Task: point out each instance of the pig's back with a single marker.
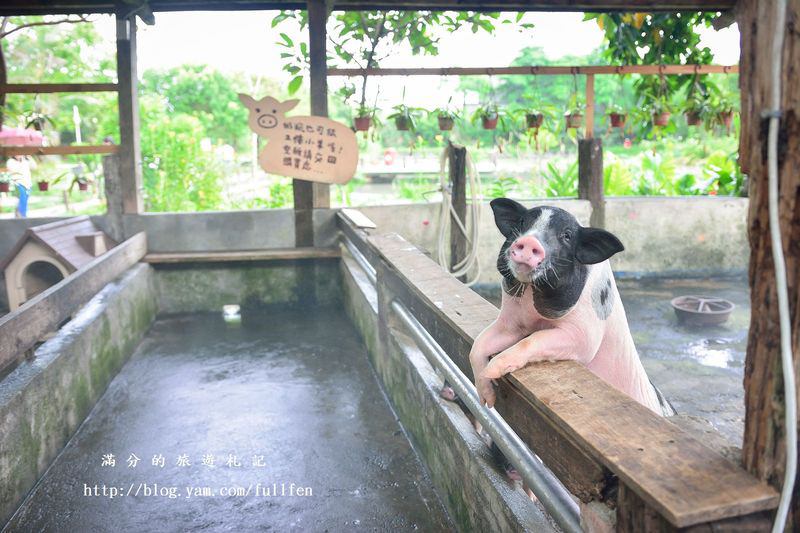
(616, 360)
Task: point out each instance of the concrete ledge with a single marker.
(475, 493)
(43, 401)
(196, 287)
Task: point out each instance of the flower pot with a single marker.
(362, 123)
(534, 120)
(5, 186)
(661, 119)
(489, 122)
(693, 118)
(574, 120)
(726, 118)
(446, 123)
(402, 123)
(617, 119)
(83, 186)
(43, 185)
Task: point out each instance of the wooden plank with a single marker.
(674, 473)
(21, 329)
(43, 88)
(275, 254)
(683, 480)
(48, 7)
(130, 154)
(590, 179)
(589, 106)
(79, 149)
(457, 156)
(357, 218)
(535, 70)
(318, 81)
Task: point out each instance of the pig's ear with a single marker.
(247, 100)
(288, 105)
(507, 214)
(596, 245)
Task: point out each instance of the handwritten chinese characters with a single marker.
(304, 147)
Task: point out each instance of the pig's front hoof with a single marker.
(448, 393)
(512, 473)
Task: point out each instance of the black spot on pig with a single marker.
(603, 298)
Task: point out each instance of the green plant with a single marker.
(687, 185)
(406, 117)
(724, 175)
(502, 186)
(414, 189)
(616, 178)
(561, 184)
(489, 113)
(657, 175)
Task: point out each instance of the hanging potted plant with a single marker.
(534, 119)
(405, 117)
(5, 181)
(44, 185)
(660, 111)
(723, 110)
(617, 116)
(489, 116)
(446, 116)
(697, 103)
(363, 118)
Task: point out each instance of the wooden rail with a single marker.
(43, 88)
(534, 70)
(588, 433)
(82, 149)
(22, 328)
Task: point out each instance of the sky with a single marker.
(245, 42)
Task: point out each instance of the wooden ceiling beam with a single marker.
(42, 7)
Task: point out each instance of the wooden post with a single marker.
(590, 179)
(130, 155)
(763, 450)
(589, 106)
(457, 157)
(309, 195)
(113, 191)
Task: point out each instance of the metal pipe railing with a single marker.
(362, 261)
(548, 489)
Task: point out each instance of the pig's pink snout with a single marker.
(527, 250)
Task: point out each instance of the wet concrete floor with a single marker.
(245, 417)
(700, 370)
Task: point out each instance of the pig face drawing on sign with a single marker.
(266, 113)
(303, 147)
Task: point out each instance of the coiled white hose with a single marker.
(787, 365)
(470, 261)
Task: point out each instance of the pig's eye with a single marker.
(258, 110)
(566, 236)
(274, 110)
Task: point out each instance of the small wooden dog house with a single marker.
(46, 254)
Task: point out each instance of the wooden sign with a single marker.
(304, 147)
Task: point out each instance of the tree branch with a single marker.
(3, 34)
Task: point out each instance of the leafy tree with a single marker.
(205, 93)
(365, 38)
(653, 39)
(178, 175)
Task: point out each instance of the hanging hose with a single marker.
(447, 213)
(787, 365)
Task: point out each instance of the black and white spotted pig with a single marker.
(560, 301)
